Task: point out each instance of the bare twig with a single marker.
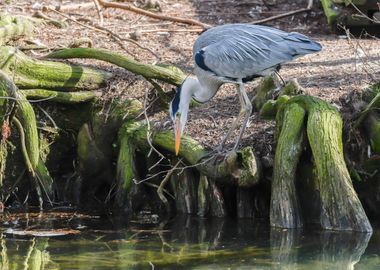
(287, 14)
(170, 30)
(149, 133)
(151, 14)
(156, 186)
(119, 38)
(100, 13)
(77, 22)
(163, 183)
(362, 15)
(70, 6)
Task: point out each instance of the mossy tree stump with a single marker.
(340, 207)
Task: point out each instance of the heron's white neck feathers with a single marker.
(201, 90)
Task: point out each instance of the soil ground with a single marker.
(344, 65)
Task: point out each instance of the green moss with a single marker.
(28, 73)
(169, 75)
(330, 12)
(284, 210)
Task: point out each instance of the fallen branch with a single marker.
(151, 14)
(287, 14)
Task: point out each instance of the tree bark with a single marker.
(167, 74)
(241, 165)
(285, 211)
(28, 73)
(340, 206)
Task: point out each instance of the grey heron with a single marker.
(234, 53)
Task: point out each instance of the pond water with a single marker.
(93, 242)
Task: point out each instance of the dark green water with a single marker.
(183, 243)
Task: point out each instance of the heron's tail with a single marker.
(302, 44)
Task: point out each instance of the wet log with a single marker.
(239, 167)
(284, 209)
(167, 74)
(28, 73)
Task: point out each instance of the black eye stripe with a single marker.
(176, 99)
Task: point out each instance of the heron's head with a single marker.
(179, 108)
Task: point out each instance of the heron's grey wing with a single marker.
(241, 54)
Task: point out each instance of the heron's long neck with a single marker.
(204, 88)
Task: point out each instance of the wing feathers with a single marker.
(240, 50)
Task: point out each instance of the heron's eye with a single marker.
(178, 114)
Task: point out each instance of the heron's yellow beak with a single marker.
(177, 135)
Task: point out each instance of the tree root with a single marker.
(12, 27)
(340, 205)
(28, 73)
(242, 166)
(27, 126)
(170, 75)
(59, 97)
(285, 211)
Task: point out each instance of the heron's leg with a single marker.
(247, 113)
(279, 84)
(236, 121)
(280, 80)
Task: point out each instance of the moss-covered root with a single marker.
(340, 205)
(14, 27)
(96, 151)
(167, 74)
(28, 73)
(284, 207)
(264, 92)
(242, 165)
(125, 167)
(372, 127)
(60, 97)
(27, 126)
(27, 118)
